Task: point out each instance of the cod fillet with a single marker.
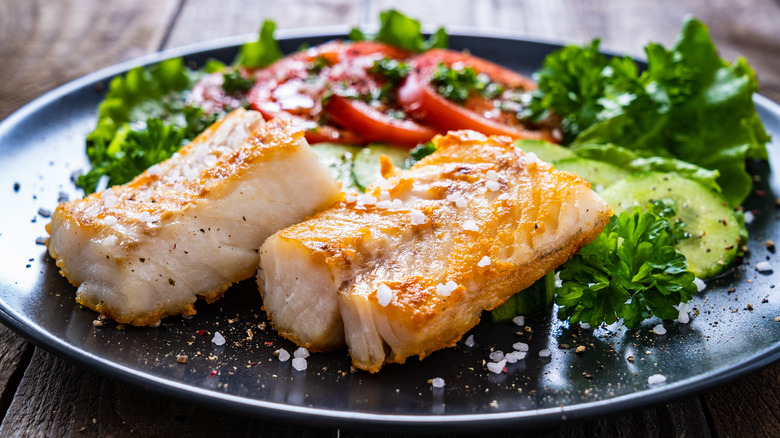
(190, 226)
(408, 267)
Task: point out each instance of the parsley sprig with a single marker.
(630, 271)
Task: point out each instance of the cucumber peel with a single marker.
(534, 299)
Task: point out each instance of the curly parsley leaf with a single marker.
(631, 271)
(689, 104)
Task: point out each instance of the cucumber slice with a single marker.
(534, 299)
(598, 173)
(366, 167)
(545, 150)
(339, 159)
(713, 226)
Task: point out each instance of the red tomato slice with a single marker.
(375, 125)
(292, 89)
(420, 98)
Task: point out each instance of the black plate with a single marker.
(43, 143)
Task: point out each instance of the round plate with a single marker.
(732, 331)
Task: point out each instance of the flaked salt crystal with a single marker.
(515, 356)
(764, 267)
(545, 353)
(384, 204)
(384, 196)
(299, 364)
(519, 320)
(496, 367)
(110, 220)
(497, 356)
(492, 175)
(520, 346)
(417, 217)
(484, 261)
(283, 355)
(469, 342)
(397, 203)
(437, 382)
(470, 225)
(218, 339)
(749, 217)
(384, 295)
(366, 200)
(493, 186)
(301, 352)
(700, 284)
(656, 379)
(659, 330)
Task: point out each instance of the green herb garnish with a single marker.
(689, 104)
(260, 53)
(457, 84)
(630, 271)
(399, 30)
(236, 83)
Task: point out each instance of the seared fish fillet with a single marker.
(190, 226)
(409, 267)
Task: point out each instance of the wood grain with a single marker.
(48, 43)
(14, 356)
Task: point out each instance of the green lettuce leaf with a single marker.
(260, 53)
(401, 31)
(689, 104)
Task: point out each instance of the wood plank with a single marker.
(46, 43)
(203, 20)
(57, 398)
(15, 354)
(749, 406)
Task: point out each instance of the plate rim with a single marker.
(337, 418)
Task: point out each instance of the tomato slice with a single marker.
(292, 88)
(492, 115)
(360, 103)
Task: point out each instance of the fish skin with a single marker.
(536, 220)
(190, 226)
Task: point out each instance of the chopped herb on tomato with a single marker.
(236, 83)
(391, 69)
(458, 84)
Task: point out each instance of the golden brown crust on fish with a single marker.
(414, 261)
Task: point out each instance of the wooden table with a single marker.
(44, 44)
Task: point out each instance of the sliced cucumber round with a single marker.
(339, 159)
(712, 224)
(536, 298)
(545, 150)
(366, 167)
(598, 173)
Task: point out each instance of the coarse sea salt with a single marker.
(366, 200)
(682, 315)
(545, 353)
(299, 364)
(584, 325)
(503, 197)
(469, 342)
(520, 346)
(749, 217)
(496, 367)
(446, 289)
(659, 330)
(493, 186)
(384, 295)
(470, 225)
(519, 320)
(700, 284)
(496, 356)
(484, 261)
(437, 382)
(384, 196)
(515, 356)
(530, 156)
(458, 199)
(109, 241)
(417, 217)
(218, 339)
(764, 267)
(387, 205)
(656, 379)
(492, 175)
(301, 352)
(283, 355)
(110, 220)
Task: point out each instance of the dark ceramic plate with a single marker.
(43, 144)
